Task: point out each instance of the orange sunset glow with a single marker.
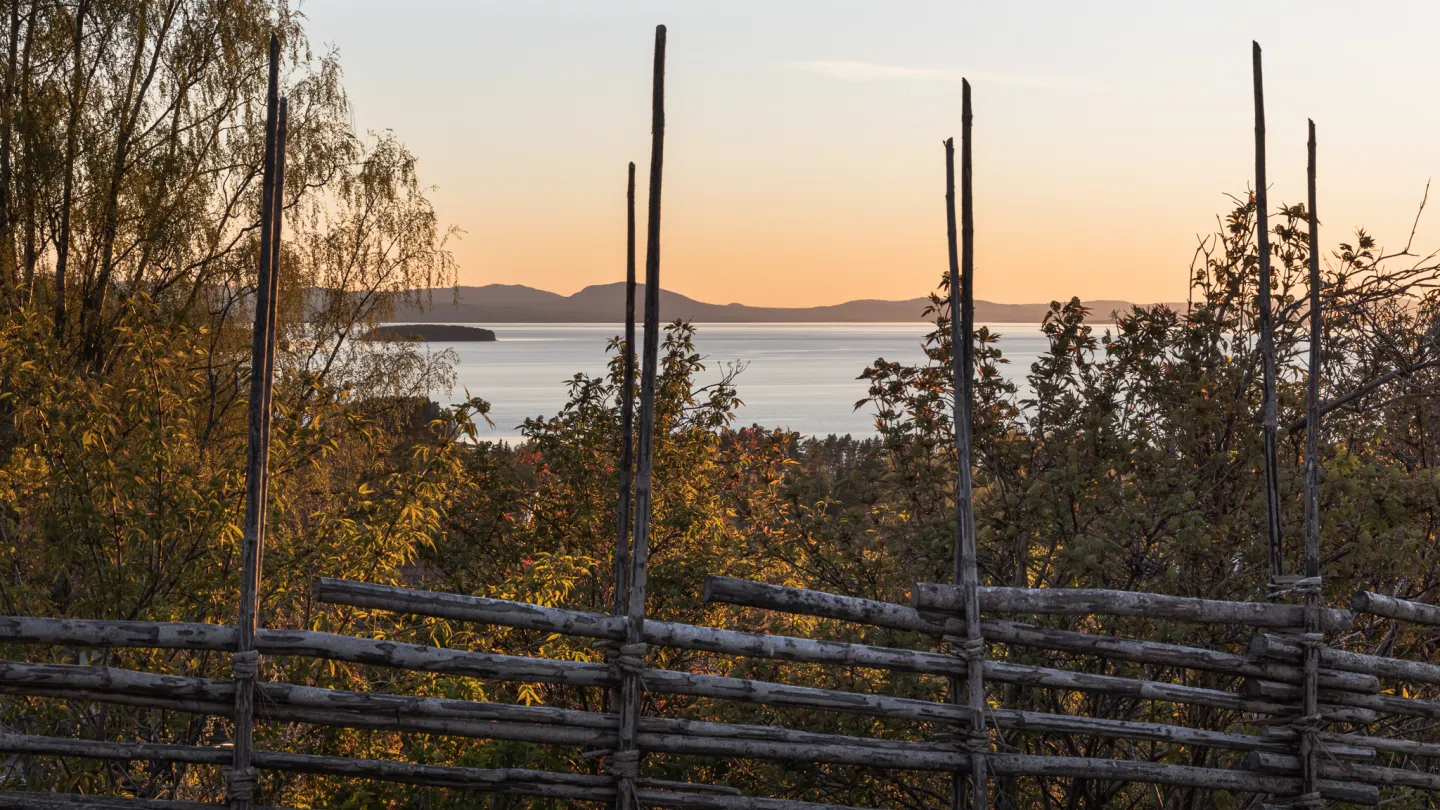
(804, 163)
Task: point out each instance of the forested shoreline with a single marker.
(130, 159)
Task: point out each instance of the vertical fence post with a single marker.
(620, 603)
(630, 658)
(627, 412)
(962, 331)
(1310, 585)
(240, 778)
(1267, 336)
(282, 122)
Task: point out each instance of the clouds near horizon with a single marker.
(858, 71)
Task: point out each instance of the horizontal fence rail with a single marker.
(947, 599)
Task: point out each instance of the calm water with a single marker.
(799, 376)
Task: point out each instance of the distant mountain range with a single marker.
(605, 303)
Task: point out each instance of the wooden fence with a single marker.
(1268, 679)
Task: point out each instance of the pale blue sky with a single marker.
(803, 161)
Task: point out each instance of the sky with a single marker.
(803, 158)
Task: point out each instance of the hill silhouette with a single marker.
(605, 303)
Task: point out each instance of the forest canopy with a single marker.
(130, 152)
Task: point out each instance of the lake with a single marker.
(799, 376)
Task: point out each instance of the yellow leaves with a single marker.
(529, 694)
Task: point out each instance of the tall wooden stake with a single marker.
(627, 412)
(621, 601)
(625, 762)
(241, 777)
(282, 127)
(1310, 759)
(1267, 334)
(962, 331)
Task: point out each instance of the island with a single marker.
(431, 331)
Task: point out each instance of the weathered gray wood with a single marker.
(1378, 775)
(301, 704)
(418, 657)
(1392, 608)
(1341, 746)
(1383, 703)
(443, 724)
(256, 467)
(624, 762)
(962, 330)
(467, 608)
(1179, 775)
(749, 691)
(23, 800)
(598, 788)
(787, 648)
(1174, 655)
(1267, 332)
(947, 599)
(901, 617)
(575, 787)
(103, 633)
(1348, 771)
(503, 667)
(627, 417)
(740, 743)
(267, 409)
(1022, 674)
(1310, 660)
(806, 602)
(915, 759)
(285, 701)
(1392, 669)
(752, 691)
(1385, 745)
(1348, 745)
(538, 783)
(302, 643)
